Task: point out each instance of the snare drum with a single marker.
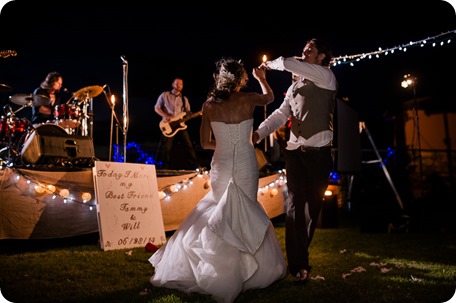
(12, 128)
(67, 115)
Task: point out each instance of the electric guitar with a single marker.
(170, 128)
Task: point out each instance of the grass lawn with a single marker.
(349, 265)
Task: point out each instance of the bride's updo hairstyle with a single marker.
(227, 77)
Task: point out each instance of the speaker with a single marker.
(347, 139)
(51, 144)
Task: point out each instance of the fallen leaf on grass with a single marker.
(378, 264)
(358, 269)
(318, 277)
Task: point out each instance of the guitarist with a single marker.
(169, 105)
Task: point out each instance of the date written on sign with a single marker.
(127, 241)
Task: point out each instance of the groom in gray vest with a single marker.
(310, 102)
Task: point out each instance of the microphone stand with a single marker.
(110, 134)
(117, 141)
(125, 104)
(91, 118)
(113, 116)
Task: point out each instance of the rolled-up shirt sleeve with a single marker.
(277, 64)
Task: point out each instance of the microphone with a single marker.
(123, 59)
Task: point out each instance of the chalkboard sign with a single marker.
(128, 206)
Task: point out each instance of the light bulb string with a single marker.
(357, 57)
(42, 184)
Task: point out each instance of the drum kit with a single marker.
(71, 118)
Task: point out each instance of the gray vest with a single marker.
(312, 108)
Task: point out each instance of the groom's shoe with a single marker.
(303, 275)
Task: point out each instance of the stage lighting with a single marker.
(408, 81)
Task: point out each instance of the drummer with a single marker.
(49, 90)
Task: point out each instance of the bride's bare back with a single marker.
(237, 107)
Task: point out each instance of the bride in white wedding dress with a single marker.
(227, 243)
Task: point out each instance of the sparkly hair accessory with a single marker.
(226, 74)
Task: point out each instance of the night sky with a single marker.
(84, 41)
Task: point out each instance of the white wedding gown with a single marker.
(227, 243)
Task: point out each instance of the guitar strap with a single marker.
(183, 103)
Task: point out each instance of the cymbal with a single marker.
(5, 88)
(88, 92)
(29, 99)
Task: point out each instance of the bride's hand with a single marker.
(259, 74)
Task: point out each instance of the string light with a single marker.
(40, 188)
(86, 197)
(272, 187)
(167, 191)
(441, 39)
(164, 193)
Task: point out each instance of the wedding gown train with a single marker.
(227, 243)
